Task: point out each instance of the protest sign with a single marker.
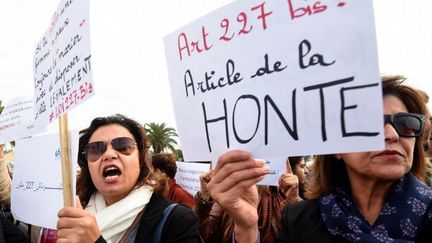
(16, 120)
(188, 174)
(277, 168)
(62, 63)
(37, 190)
(277, 77)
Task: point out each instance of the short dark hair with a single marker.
(295, 160)
(166, 163)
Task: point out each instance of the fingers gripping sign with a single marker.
(289, 184)
(76, 225)
(235, 172)
(233, 187)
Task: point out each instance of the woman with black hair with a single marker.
(120, 197)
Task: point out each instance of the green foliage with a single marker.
(161, 137)
(178, 153)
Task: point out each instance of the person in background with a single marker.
(9, 232)
(299, 169)
(5, 186)
(428, 138)
(309, 162)
(5, 180)
(119, 198)
(166, 163)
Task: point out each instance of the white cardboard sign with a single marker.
(188, 174)
(16, 120)
(277, 77)
(62, 63)
(277, 169)
(37, 187)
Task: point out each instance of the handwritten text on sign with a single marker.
(38, 178)
(16, 120)
(62, 67)
(188, 175)
(277, 77)
(277, 169)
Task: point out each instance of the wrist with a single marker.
(204, 199)
(246, 234)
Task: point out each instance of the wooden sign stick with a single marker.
(66, 165)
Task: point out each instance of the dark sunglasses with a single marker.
(406, 124)
(124, 145)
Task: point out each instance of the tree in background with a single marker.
(161, 137)
(178, 153)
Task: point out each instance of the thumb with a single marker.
(78, 203)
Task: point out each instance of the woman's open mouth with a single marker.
(111, 173)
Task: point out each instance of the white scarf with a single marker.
(114, 220)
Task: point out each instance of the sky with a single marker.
(128, 57)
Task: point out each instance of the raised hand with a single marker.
(204, 180)
(233, 187)
(289, 184)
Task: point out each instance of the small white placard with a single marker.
(16, 120)
(188, 174)
(277, 168)
(37, 187)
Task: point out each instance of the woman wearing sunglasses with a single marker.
(120, 198)
(375, 196)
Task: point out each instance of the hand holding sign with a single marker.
(77, 225)
(233, 187)
(289, 184)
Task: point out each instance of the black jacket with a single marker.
(302, 222)
(9, 233)
(181, 225)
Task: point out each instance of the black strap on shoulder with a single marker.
(158, 231)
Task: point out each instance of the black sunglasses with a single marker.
(124, 145)
(406, 124)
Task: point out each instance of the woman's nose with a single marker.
(110, 153)
(390, 133)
